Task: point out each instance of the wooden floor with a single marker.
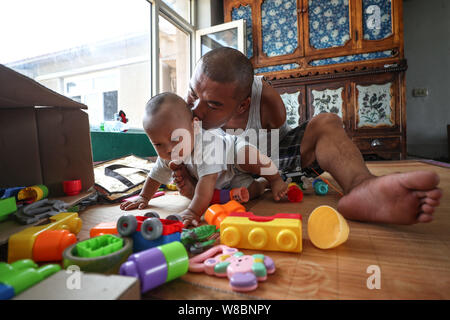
(414, 260)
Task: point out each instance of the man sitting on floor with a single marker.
(224, 93)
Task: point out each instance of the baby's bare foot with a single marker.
(400, 198)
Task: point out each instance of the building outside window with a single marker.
(102, 52)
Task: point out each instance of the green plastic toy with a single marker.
(24, 274)
(7, 206)
(99, 246)
(198, 239)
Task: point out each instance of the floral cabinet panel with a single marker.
(375, 105)
(294, 100)
(327, 98)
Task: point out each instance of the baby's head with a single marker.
(164, 114)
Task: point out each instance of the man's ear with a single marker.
(244, 106)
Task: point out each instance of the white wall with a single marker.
(427, 50)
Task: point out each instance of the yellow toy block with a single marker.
(20, 245)
(280, 232)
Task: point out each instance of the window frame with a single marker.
(158, 7)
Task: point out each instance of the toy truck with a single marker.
(149, 231)
(280, 232)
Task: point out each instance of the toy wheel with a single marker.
(152, 214)
(175, 217)
(126, 225)
(151, 229)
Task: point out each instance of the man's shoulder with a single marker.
(273, 111)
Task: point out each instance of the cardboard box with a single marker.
(44, 136)
(90, 286)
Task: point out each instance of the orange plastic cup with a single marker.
(50, 245)
(218, 212)
(327, 228)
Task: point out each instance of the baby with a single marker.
(217, 161)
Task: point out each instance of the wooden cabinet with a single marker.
(340, 56)
(370, 106)
(302, 37)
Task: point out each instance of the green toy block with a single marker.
(24, 274)
(99, 246)
(7, 206)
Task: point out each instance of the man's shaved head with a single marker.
(228, 65)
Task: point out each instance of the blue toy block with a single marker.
(6, 292)
(141, 244)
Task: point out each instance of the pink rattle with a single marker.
(243, 271)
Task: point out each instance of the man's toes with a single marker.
(427, 209)
(424, 218)
(435, 194)
(430, 201)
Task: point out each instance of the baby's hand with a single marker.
(140, 203)
(189, 218)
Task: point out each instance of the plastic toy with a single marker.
(157, 266)
(33, 193)
(218, 212)
(198, 239)
(320, 187)
(102, 254)
(150, 231)
(295, 194)
(7, 206)
(50, 245)
(243, 271)
(20, 245)
(9, 192)
(72, 187)
(103, 228)
(99, 246)
(327, 228)
(21, 275)
(172, 187)
(280, 232)
(224, 195)
(40, 209)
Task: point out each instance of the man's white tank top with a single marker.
(254, 124)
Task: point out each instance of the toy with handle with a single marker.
(243, 271)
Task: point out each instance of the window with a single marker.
(174, 58)
(230, 34)
(111, 55)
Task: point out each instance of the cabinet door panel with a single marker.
(279, 27)
(245, 12)
(377, 19)
(327, 25)
(328, 97)
(375, 101)
(294, 100)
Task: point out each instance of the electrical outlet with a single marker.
(420, 92)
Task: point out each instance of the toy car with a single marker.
(149, 231)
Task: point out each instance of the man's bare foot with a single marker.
(279, 188)
(400, 198)
(184, 181)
